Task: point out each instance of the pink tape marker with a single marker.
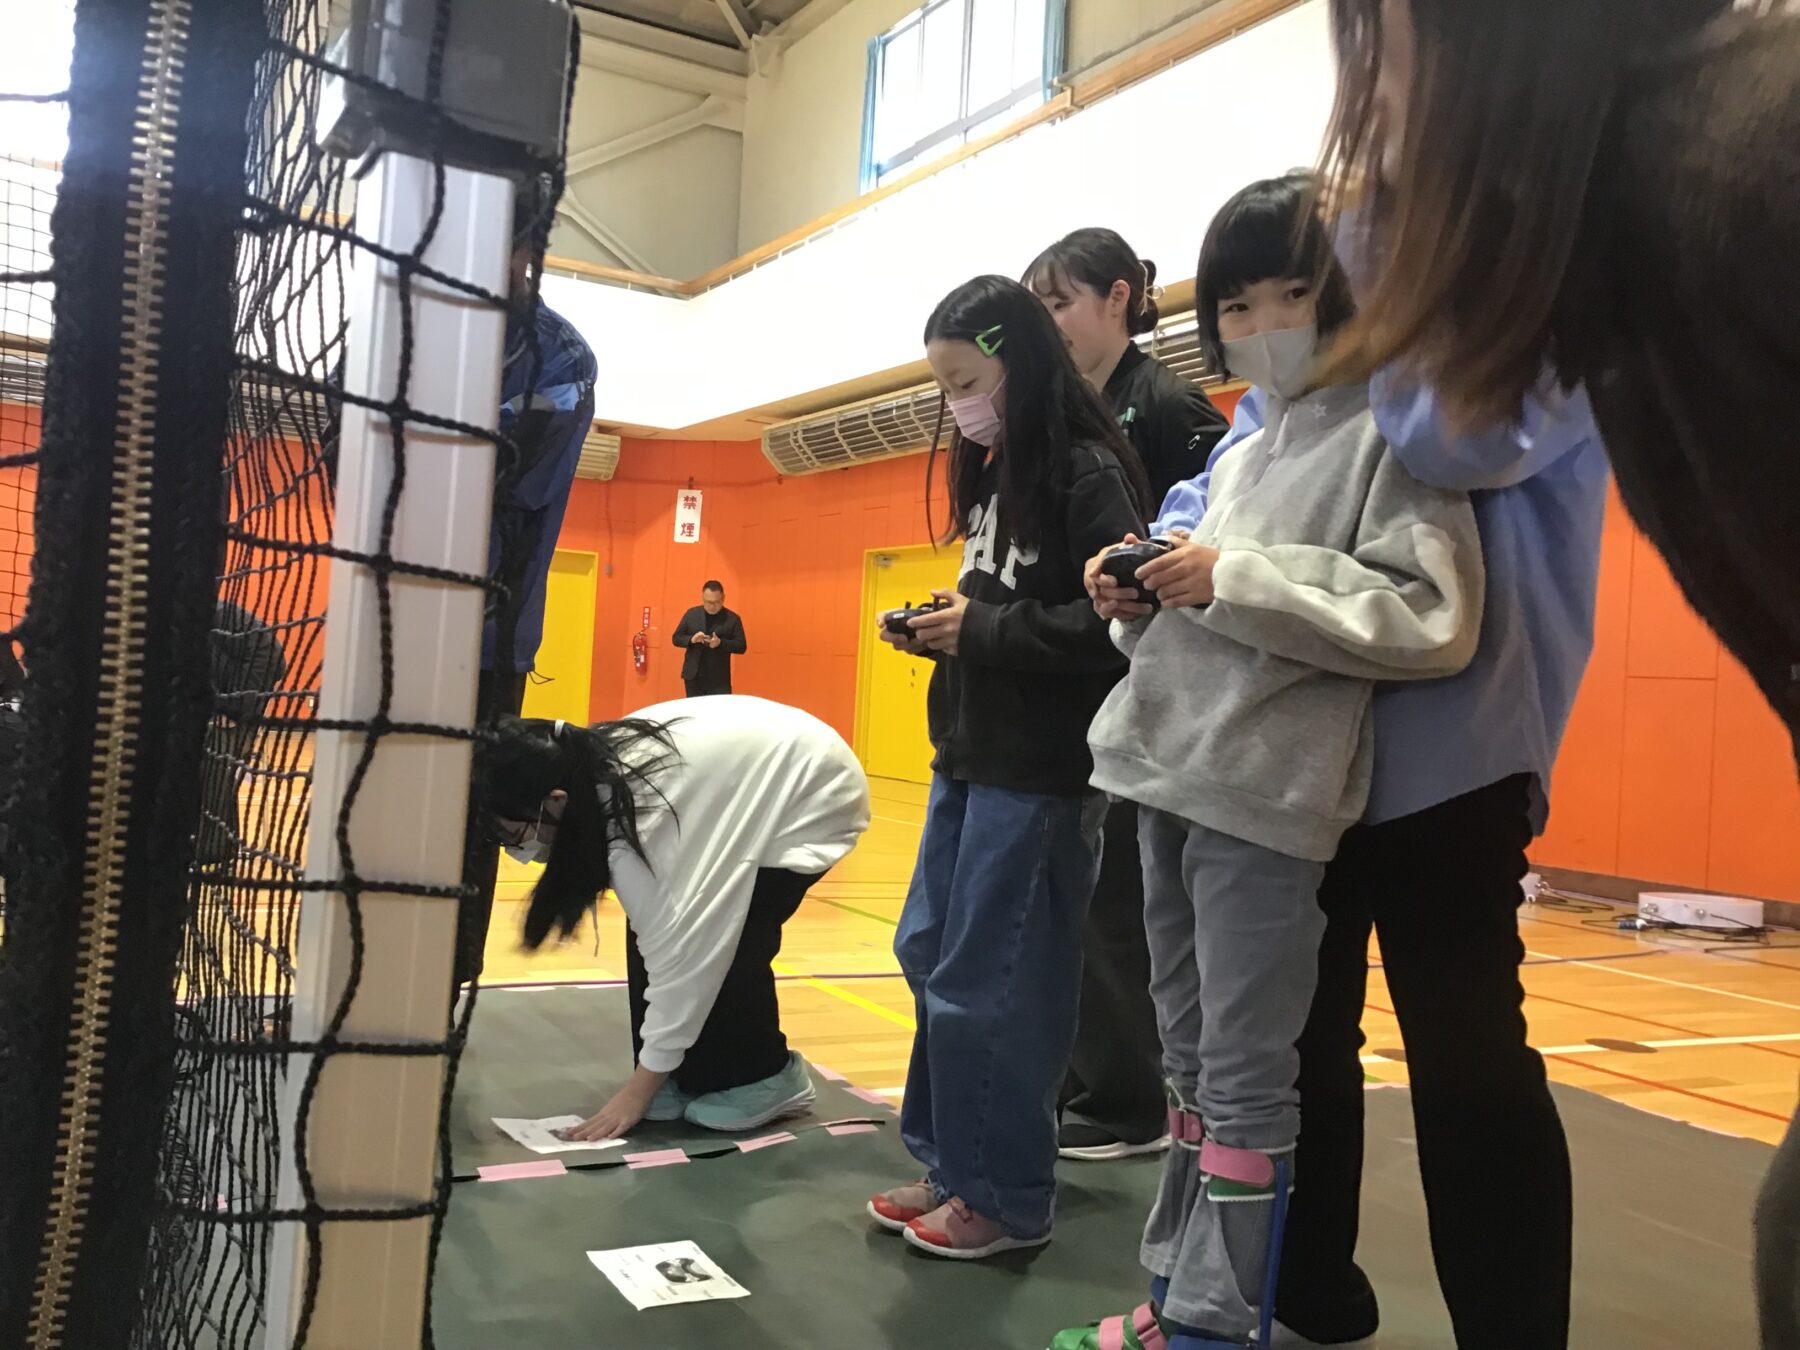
(874, 1098)
(852, 1129)
(767, 1141)
(668, 1157)
(546, 1167)
(829, 1075)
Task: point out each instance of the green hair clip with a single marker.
(990, 341)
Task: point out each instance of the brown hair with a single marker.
(1473, 230)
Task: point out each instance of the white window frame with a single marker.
(956, 132)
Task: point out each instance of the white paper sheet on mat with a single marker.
(540, 1135)
(667, 1273)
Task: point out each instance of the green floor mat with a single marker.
(1662, 1229)
(788, 1223)
(543, 1052)
(1662, 1247)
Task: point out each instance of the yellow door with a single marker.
(564, 675)
(565, 657)
(890, 724)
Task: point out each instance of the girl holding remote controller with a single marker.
(1103, 297)
(990, 937)
(1243, 731)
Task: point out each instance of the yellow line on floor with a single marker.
(855, 1000)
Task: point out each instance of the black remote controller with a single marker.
(1122, 564)
(895, 621)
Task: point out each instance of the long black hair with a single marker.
(1099, 259)
(1049, 411)
(1271, 228)
(608, 771)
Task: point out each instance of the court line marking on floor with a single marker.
(1684, 1043)
(1633, 1078)
(1721, 1040)
(1634, 1017)
(860, 913)
(1702, 946)
(1539, 958)
(1670, 1087)
(855, 1000)
(1683, 984)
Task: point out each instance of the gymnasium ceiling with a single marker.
(726, 23)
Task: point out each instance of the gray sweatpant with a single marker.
(1778, 1246)
(1234, 933)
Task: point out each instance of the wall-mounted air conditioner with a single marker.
(599, 456)
(903, 423)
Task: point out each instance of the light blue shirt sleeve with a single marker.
(1552, 425)
(1185, 505)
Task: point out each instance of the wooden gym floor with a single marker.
(1687, 1030)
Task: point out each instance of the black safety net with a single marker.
(174, 327)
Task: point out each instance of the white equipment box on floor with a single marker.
(1724, 912)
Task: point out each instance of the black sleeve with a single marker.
(1184, 429)
(1032, 635)
(12, 674)
(685, 630)
(732, 639)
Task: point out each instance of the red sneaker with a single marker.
(894, 1209)
(955, 1231)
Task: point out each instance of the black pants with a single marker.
(497, 694)
(1115, 1071)
(742, 1040)
(705, 685)
(1441, 890)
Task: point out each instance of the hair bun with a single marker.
(1149, 313)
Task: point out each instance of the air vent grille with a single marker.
(897, 424)
(599, 456)
(903, 423)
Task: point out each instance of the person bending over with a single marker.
(710, 821)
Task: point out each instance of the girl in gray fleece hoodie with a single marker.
(1242, 731)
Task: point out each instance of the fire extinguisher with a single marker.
(640, 644)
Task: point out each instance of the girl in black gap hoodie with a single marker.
(990, 938)
(1103, 297)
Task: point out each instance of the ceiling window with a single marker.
(953, 71)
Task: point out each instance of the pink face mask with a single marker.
(978, 416)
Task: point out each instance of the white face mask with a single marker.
(534, 849)
(1279, 363)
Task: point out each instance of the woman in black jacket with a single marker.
(1103, 297)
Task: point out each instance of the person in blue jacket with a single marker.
(1461, 781)
(546, 407)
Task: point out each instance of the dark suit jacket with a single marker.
(706, 661)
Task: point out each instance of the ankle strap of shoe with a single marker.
(1186, 1129)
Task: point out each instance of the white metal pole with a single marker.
(373, 1122)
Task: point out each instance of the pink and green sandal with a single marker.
(1140, 1330)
